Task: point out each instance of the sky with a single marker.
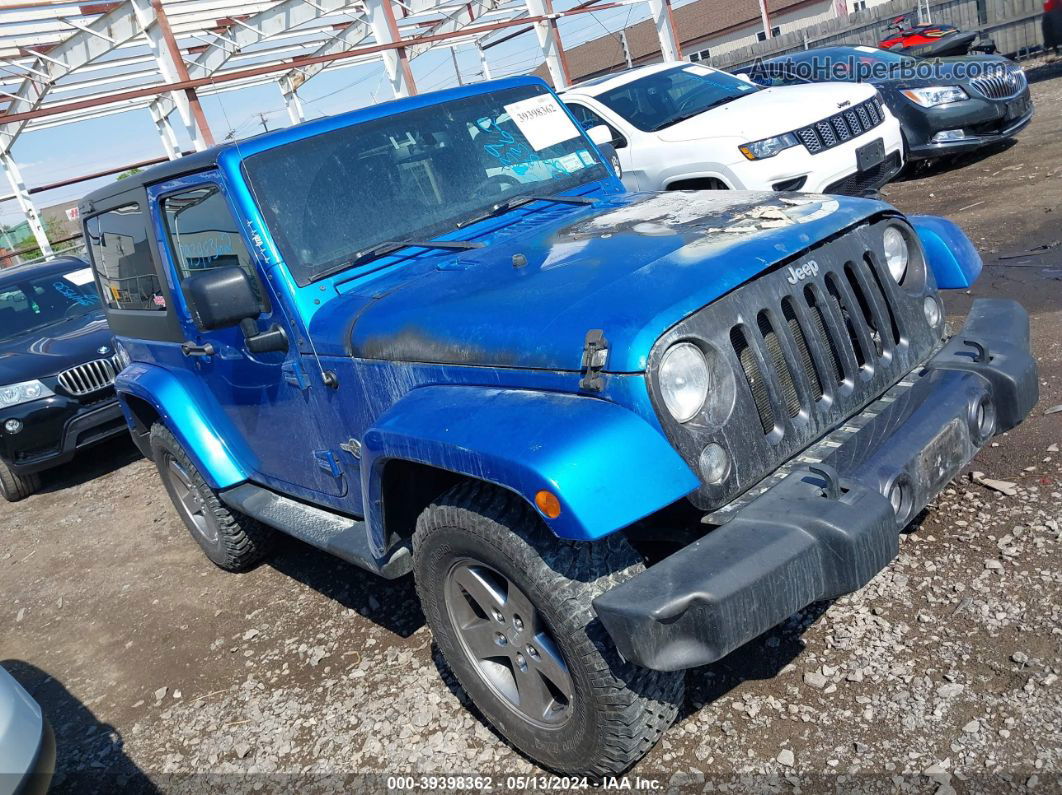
(57, 153)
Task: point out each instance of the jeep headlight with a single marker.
(768, 147)
(897, 252)
(24, 392)
(932, 96)
(684, 380)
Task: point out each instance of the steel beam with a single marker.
(292, 103)
(166, 134)
(170, 64)
(25, 203)
(670, 48)
(483, 65)
(283, 16)
(217, 81)
(549, 41)
(108, 31)
(396, 60)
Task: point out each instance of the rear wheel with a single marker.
(232, 540)
(15, 487)
(509, 606)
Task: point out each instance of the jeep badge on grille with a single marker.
(809, 268)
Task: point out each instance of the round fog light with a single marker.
(13, 426)
(714, 463)
(932, 311)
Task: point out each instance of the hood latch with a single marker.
(595, 356)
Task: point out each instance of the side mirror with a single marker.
(224, 297)
(221, 297)
(601, 135)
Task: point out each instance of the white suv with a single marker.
(678, 126)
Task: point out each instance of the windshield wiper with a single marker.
(383, 249)
(520, 201)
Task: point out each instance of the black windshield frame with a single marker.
(425, 141)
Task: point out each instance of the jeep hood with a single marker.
(631, 265)
(771, 111)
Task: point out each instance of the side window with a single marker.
(587, 119)
(120, 254)
(204, 235)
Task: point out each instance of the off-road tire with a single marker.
(241, 541)
(15, 487)
(620, 710)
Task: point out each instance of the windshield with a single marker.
(32, 303)
(664, 98)
(414, 175)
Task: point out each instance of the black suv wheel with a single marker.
(15, 487)
(509, 607)
(230, 539)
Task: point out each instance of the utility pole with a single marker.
(262, 118)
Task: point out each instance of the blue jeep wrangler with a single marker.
(612, 435)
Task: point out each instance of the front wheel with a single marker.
(509, 606)
(230, 539)
(15, 487)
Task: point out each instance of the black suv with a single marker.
(57, 369)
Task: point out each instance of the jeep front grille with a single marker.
(89, 377)
(1001, 86)
(842, 127)
(794, 353)
(848, 318)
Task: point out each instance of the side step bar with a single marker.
(342, 536)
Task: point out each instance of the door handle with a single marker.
(191, 349)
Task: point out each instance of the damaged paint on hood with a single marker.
(632, 265)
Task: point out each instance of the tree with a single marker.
(131, 172)
(53, 228)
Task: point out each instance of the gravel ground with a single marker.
(160, 671)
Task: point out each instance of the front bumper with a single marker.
(828, 527)
(833, 170)
(54, 429)
(986, 122)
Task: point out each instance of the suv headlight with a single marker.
(14, 394)
(935, 95)
(897, 252)
(768, 147)
(684, 380)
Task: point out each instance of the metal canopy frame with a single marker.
(63, 62)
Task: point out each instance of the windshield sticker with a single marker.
(542, 121)
(70, 294)
(586, 157)
(79, 277)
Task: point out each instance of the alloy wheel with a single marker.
(508, 644)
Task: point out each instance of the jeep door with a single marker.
(265, 395)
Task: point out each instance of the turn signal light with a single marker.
(548, 503)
